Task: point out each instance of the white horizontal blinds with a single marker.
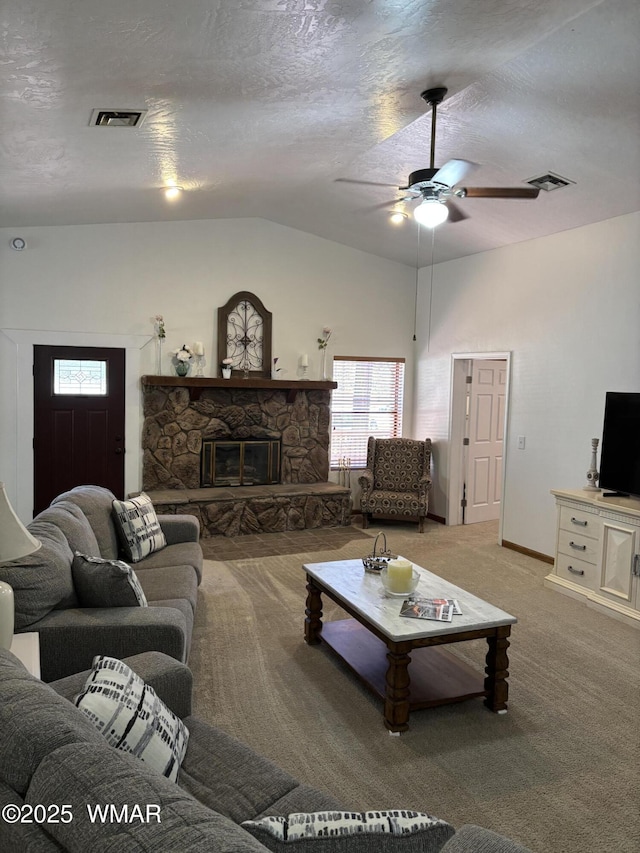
(367, 401)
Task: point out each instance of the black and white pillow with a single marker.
(344, 832)
(106, 583)
(131, 716)
(138, 527)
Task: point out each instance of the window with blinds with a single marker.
(367, 401)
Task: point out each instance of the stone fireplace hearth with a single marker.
(181, 414)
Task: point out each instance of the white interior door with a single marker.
(485, 434)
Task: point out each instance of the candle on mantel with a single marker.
(399, 575)
(304, 360)
(198, 348)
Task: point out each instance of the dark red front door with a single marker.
(79, 420)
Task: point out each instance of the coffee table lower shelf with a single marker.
(437, 676)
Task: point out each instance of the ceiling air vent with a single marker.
(117, 118)
(549, 182)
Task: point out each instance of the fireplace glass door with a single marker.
(251, 462)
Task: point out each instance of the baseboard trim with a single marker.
(545, 558)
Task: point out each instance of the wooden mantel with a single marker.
(196, 384)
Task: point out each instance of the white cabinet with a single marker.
(598, 552)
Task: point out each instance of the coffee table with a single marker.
(402, 659)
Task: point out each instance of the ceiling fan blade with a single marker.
(388, 204)
(453, 172)
(455, 214)
(499, 192)
(364, 183)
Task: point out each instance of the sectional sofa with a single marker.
(55, 761)
(47, 599)
(51, 755)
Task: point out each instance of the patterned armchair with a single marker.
(397, 479)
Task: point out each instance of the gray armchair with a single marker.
(397, 479)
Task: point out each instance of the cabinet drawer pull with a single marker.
(577, 547)
(575, 571)
(578, 522)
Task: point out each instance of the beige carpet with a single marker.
(560, 772)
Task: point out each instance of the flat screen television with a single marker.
(620, 454)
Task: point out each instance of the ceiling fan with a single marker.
(436, 188)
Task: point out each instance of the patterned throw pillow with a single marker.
(351, 832)
(131, 716)
(106, 583)
(138, 527)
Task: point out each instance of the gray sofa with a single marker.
(51, 755)
(46, 600)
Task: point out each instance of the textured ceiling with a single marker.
(256, 107)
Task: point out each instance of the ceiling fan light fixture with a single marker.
(430, 213)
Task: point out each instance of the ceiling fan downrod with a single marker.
(433, 97)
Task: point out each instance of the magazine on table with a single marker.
(457, 610)
(437, 609)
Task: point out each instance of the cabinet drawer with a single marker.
(577, 571)
(576, 520)
(579, 546)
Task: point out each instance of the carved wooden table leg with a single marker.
(497, 670)
(396, 703)
(313, 612)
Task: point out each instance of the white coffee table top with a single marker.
(364, 593)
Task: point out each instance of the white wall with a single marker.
(105, 283)
(568, 309)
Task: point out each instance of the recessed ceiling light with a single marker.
(398, 217)
(172, 193)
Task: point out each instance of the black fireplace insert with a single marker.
(247, 462)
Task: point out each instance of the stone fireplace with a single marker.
(176, 422)
(270, 438)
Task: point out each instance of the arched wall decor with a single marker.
(244, 335)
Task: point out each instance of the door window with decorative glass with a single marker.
(85, 377)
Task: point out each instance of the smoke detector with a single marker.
(549, 182)
(117, 118)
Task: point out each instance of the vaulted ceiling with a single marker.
(257, 107)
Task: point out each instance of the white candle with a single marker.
(198, 348)
(399, 574)
(304, 360)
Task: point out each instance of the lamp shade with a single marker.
(15, 539)
(431, 212)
